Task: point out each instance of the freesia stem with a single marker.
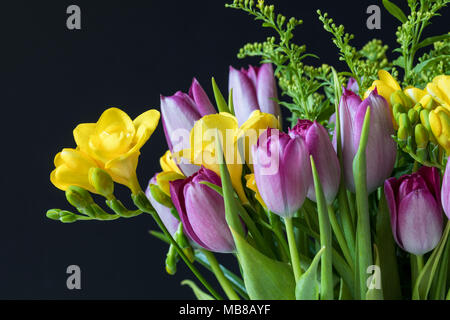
(224, 282)
(295, 259)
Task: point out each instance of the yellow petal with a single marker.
(82, 134)
(440, 126)
(168, 164)
(145, 124)
(251, 184)
(123, 170)
(415, 94)
(163, 179)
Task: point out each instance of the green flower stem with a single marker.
(419, 259)
(226, 285)
(326, 240)
(275, 226)
(295, 259)
(142, 203)
(340, 236)
(365, 258)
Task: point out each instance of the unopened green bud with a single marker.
(171, 260)
(78, 197)
(184, 244)
(424, 119)
(421, 136)
(397, 110)
(102, 182)
(53, 214)
(67, 217)
(413, 116)
(160, 196)
(400, 97)
(418, 107)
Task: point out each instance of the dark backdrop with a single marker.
(126, 55)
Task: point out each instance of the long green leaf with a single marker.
(375, 293)
(307, 285)
(430, 40)
(425, 278)
(264, 278)
(394, 10)
(220, 100)
(197, 291)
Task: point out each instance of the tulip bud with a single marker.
(202, 211)
(102, 182)
(440, 126)
(445, 194)
(401, 98)
(381, 149)
(415, 209)
(253, 89)
(320, 147)
(282, 171)
(164, 212)
(79, 197)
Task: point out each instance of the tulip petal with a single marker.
(204, 105)
(445, 194)
(266, 90)
(245, 99)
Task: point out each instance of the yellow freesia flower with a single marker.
(250, 130)
(163, 179)
(386, 85)
(168, 164)
(251, 184)
(72, 168)
(114, 142)
(440, 126)
(439, 89)
(420, 96)
(202, 149)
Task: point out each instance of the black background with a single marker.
(126, 54)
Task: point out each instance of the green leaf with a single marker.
(264, 278)
(425, 278)
(344, 292)
(220, 100)
(213, 186)
(386, 249)
(394, 10)
(428, 63)
(374, 293)
(430, 40)
(400, 62)
(197, 291)
(307, 285)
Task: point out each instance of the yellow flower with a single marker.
(168, 164)
(251, 184)
(420, 96)
(114, 142)
(163, 179)
(386, 85)
(72, 168)
(202, 149)
(439, 89)
(250, 131)
(440, 126)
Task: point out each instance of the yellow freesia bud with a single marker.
(251, 184)
(439, 89)
(168, 164)
(249, 132)
(202, 149)
(420, 96)
(440, 126)
(115, 140)
(102, 182)
(72, 169)
(386, 85)
(401, 98)
(163, 179)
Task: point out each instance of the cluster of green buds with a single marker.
(414, 133)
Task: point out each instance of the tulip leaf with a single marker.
(375, 289)
(326, 277)
(307, 287)
(264, 278)
(430, 40)
(394, 10)
(425, 278)
(220, 100)
(386, 249)
(201, 295)
(344, 291)
(230, 101)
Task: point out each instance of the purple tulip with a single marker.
(352, 85)
(179, 113)
(445, 195)
(320, 147)
(381, 149)
(202, 211)
(415, 208)
(282, 171)
(170, 222)
(253, 89)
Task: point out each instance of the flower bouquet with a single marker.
(336, 206)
